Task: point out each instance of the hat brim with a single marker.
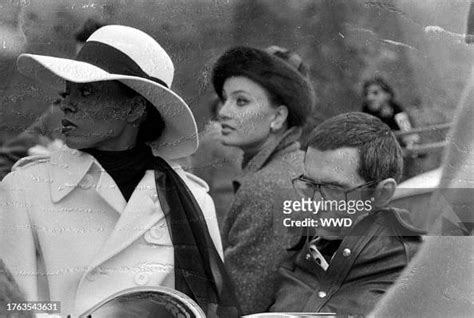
(180, 136)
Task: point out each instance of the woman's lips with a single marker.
(226, 129)
(67, 126)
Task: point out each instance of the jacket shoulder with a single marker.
(400, 221)
(26, 173)
(284, 165)
(190, 179)
(196, 181)
(276, 173)
(30, 161)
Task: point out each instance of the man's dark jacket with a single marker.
(368, 261)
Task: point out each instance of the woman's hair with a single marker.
(384, 86)
(293, 60)
(381, 83)
(152, 127)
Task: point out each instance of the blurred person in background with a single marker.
(345, 269)
(111, 211)
(443, 269)
(379, 101)
(44, 135)
(266, 102)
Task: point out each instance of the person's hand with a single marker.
(411, 149)
(410, 145)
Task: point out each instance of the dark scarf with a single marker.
(126, 167)
(199, 270)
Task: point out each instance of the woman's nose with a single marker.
(67, 106)
(224, 111)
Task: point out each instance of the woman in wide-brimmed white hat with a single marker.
(108, 212)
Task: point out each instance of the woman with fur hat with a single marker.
(266, 101)
(111, 211)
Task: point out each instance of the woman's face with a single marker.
(376, 97)
(246, 113)
(95, 116)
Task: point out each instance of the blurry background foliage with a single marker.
(344, 43)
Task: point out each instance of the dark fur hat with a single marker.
(285, 85)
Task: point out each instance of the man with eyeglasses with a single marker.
(352, 166)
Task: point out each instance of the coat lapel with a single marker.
(67, 168)
(141, 213)
(109, 191)
(255, 163)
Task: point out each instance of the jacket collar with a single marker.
(288, 139)
(403, 218)
(395, 218)
(67, 168)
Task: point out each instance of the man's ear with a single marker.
(137, 110)
(280, 118)
(384, 191)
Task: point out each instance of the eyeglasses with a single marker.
(308, 188)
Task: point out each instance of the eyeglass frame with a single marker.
(317, 186)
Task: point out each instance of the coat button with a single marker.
(322, 294)
(93, 275)
(86, 182)
(141, 279)
(156, 232)
(346, 252)
(308, 256)
(154, 197)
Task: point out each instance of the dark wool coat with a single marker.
(253, 234)
(368, 261)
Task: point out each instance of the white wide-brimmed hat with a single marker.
(122, 53)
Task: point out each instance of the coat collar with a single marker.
(394, 218)
(403, 219)
(67, 168)
(288, 139)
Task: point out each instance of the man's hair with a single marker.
(380, 155)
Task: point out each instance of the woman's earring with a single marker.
(272, 127)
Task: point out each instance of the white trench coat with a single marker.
(67, 234)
